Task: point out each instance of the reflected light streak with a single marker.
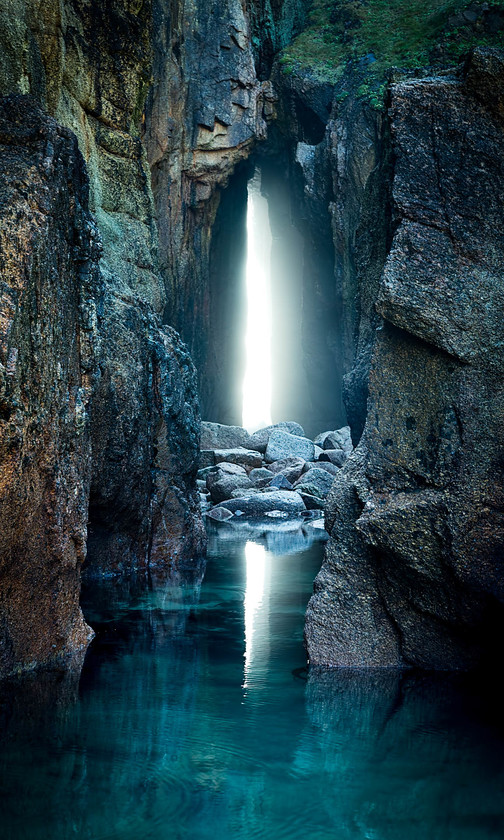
(257, 381)
(255, 558)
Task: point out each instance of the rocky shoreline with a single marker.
(275, 472)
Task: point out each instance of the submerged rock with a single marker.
(260, 503)
(220, 514)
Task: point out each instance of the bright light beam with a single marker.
(257, 381)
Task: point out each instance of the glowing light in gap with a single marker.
(257, 382)
(255, 558)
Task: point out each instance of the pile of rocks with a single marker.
(276, 472)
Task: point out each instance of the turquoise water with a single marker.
(194, 718)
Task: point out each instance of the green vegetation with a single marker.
(378, 34)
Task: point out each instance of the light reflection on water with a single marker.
(255, 596)
(163, 740)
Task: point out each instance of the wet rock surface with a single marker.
(413, 571)
(99, 397)
(253, 487)
(49, 345)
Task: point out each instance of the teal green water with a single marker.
(194, 719)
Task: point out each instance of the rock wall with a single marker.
(49, 349)
(205, 112)
(89, 65)
(334, 153)
(413, 572)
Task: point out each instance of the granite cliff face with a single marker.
(413, 573)
(49, 347)
(206, 111)
(155, 261)
(100, 417)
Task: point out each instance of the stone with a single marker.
(205, 503)
(317, 453)
(244, 457)
(219, 436)
(291, 467)
(260, 503)
(337, 439)
(220, 514)
(325, 465)
(317, 482)
(206, 458)
(311, 501)
(260, 477)
(259, 440)
(334, 456)
(281, 482)
(224, 480)
(247, 492)
(202, 473)
(282, 444)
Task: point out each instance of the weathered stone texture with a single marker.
(89, 65)
(429, 516)
(50, 287)
(205, 112)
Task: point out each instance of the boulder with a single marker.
(224, 480)
(282, 444)
(312, 502)
(220, 514)
(206, 458)
(317, 482)
(218, 436)
(260, 477)
(337, 439)
(281, 482)
(259, 440)
(334, 456)
(261, 503)
(332, 469)
(291, 467)
(205, 471)
(247, 492)
(244, 457)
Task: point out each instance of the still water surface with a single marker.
(194, 719)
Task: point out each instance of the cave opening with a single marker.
(273, 346)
